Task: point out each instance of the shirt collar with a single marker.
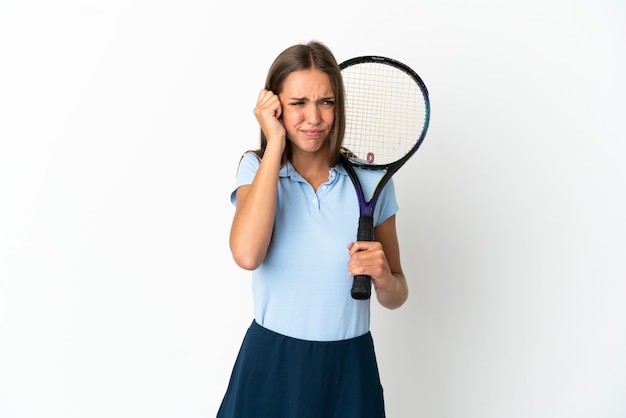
(288, 170)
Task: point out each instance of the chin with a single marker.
(310, 145)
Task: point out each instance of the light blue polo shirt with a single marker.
(302, 288)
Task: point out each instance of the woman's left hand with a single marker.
(368, 258)
(381, 261)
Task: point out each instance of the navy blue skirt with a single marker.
(282, 377)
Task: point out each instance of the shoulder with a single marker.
(250, 157)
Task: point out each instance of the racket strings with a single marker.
(385, 112)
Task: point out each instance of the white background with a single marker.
(121, 126)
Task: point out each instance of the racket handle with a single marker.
(361, 287)
(362, 284)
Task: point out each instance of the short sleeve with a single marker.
(248, 167)
(387, 204)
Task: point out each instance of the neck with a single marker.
(313, 169)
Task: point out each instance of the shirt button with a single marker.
(324, 187)
(314, 201)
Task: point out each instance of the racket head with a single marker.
(387, 111)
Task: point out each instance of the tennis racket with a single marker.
(387, 116)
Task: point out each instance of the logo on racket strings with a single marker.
(370, 157)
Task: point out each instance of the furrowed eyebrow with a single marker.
(306, 98)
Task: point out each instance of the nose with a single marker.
(313, 115)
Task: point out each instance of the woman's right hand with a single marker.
(268, 111)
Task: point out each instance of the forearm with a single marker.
(394, 293)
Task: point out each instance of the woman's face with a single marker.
(308, 109)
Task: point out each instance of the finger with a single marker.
(269, 104)
(363, 246)
(279, 110)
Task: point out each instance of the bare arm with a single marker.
(381, 260)
(253, 222)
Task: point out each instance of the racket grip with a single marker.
(362, 284)
(361, 287)
(366, 229)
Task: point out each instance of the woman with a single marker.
(308, 352)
